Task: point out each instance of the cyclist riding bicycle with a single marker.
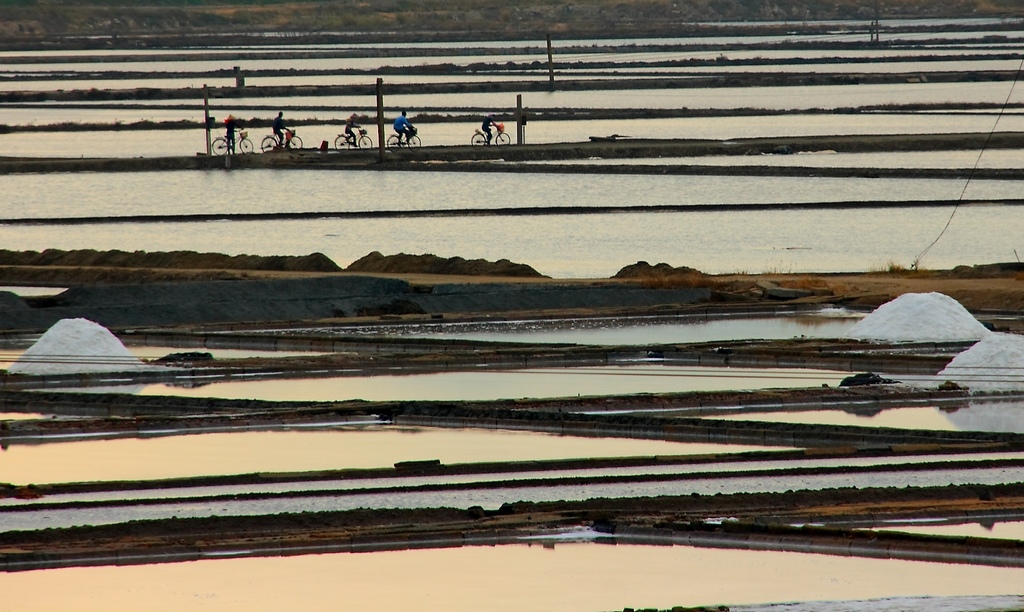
(350, 129)
(404, 128)
(279, 128)
(486, 126)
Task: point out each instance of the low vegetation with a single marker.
(34, 19)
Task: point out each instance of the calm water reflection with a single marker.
(581, 246)
(563, 576)
(300, 451)
(510, 384)
(987, 416)
(621, 332)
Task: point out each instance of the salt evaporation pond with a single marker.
(919, 417)
(585, 245)
(633, 331)
(300, 451)
(1004, 530)
(545, 575)
(979, 416)
(508, 384)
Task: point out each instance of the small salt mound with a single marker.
(919, 317)
(994, 363)
(75, 346)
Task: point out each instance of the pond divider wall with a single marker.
(973, 551)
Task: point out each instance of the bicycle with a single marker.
(501, 138)
(362, 141)
(291, 140)
(242, 144)
(412, 140)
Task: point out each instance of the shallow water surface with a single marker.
(1004, 530)
(305, 450)
(541, 576)
(979, 416)
(623, 332)
(568, 246)
(511, 384)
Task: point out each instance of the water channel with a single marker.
(632, 331)
(499, 384)
(543, 575)
(301, 450)
(979, 416)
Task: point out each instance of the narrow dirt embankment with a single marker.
(613, 148)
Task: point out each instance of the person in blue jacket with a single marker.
(403, 127)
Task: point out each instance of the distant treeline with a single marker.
(27, 20)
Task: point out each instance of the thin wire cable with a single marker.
(977, 162)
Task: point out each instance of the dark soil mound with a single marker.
(183, 260)
(432, 264)
(642, 269)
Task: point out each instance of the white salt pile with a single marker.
(919, 317)
(994, 363)
(75, 346)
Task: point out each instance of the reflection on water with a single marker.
(301, 451)
(182, 193)
(563, 576)
(621, 332)
(18, 416)
(1005, 530)
(512, 384)
(965, 159)
(9, 356)
(926, 417)
(583, 246)
(979, 416)
(989, 416)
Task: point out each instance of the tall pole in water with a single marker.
(876, 35)
(206, 118)
(520, 131)
(380, 119)
(551, 67)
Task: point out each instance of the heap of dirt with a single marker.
(665, 275)
(642, 269)
(182, 260)
(403, 263)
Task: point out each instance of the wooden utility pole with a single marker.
(876, 35)
(520, 128)
(380, 119)
(206, 118)
(551, 67)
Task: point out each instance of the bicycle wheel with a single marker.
(415, 142)
(269, 143)
(295, 142)
(245, 145)
(502, 139)
(341, 143)
(393, 141)
(478, 140)
(220, 146)
(365, 142)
